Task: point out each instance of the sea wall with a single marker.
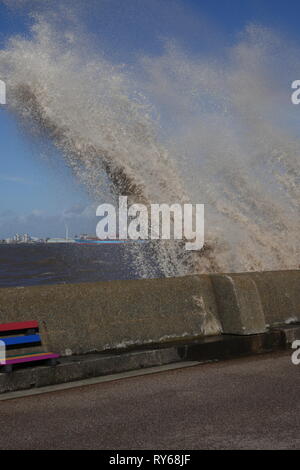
(90, 317)
(250, 303)
(93, 317)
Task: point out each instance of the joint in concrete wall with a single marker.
(239, 304)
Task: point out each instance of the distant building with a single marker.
(17, 238)
(26, 238)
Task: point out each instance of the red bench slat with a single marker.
(25, 325)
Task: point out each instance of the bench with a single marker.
(22, 335)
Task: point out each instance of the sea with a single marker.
(40, 264)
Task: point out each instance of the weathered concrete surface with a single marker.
(239, 304)
(249, 303)
(71, 369)
(93, 317)
(79, 367)
(90, 317)
(289, 333)
(279, 293)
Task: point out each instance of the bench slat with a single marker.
(30, 358)
(15, 326)
(16, 340)
(25, 339)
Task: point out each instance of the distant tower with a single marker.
(2, 92)
(67, 232)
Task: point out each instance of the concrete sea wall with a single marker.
(90, 317)
(94, 317)
(250, 303)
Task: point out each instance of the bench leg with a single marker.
(7, 369)
(52, 362)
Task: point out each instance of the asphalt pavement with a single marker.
(248, 403)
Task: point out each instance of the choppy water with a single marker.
(28, 265)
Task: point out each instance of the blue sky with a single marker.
(39, 194)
